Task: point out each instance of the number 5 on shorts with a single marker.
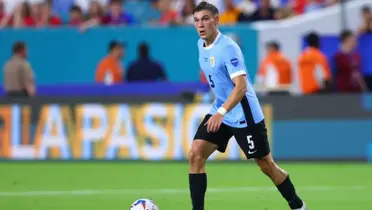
(250, 142)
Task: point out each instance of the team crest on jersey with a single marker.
(234, 62)
(212, 61)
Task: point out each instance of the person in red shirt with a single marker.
(168, 15)
(21, 17)
(2, 10)
(76, 16)
(348, 65)
(300, 5)
(46, 16)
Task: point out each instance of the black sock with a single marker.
(198, 187)
(288, 191)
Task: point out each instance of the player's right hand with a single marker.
(214, 123)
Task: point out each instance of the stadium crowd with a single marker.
(89, 13)
(341, 72)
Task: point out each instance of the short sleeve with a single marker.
(233, 61)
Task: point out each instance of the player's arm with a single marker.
(237, 93)
(236, 69)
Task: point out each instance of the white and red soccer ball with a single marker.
(144, 204)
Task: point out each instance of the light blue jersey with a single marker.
(221, 61)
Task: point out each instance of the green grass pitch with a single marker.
(114, 186)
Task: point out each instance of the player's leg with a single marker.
(281, 180)
(198, 155)
(254, 143)
(203, 146)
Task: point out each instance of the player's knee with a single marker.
(267, 166)
(196, 157)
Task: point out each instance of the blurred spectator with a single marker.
(21, 17)
(334, 2)
(144, 68)
(231, 13)
(264, 12)
(298, 5)
(47, 18)
(275, 73)
(116, 15)
(178, 5)
(247, 7)
(366, 26)
(95, 11)
(314, 71)
(168, 15)
(284, 13)
(2, 10)
(76, 16)
(36, 10)
(10, 6)
(348, 65)
(18, 75)
(94, 16)
(153, 14)
(313, 5)
(85, 5)
(110, 69)
(187, 12)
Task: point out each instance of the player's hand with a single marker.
(214, 123)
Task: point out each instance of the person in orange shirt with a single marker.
(314, 71)
(275, 73)
(231, 14)
(110, 69)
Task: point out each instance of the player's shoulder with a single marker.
(228, 44)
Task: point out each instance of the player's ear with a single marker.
(217, 19)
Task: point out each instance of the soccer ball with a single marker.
(144, 204)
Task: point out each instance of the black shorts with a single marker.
(252, 140)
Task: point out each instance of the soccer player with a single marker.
(235, 112)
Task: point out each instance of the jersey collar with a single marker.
(214, 42)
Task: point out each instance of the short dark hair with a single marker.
(366, 9)
(273, 44)
(345, 34)
(75, 8)
(19, 47)
(313, 39)
(206, 6)
(115, 44)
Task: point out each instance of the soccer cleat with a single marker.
(302, 208)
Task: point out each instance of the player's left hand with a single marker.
(214, 123)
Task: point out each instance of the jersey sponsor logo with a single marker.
(212, 61)
(234, 62)
(205, 59)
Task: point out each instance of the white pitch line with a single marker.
(168, 191)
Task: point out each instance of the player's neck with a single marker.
(210, 41)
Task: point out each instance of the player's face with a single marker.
(205, 23)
